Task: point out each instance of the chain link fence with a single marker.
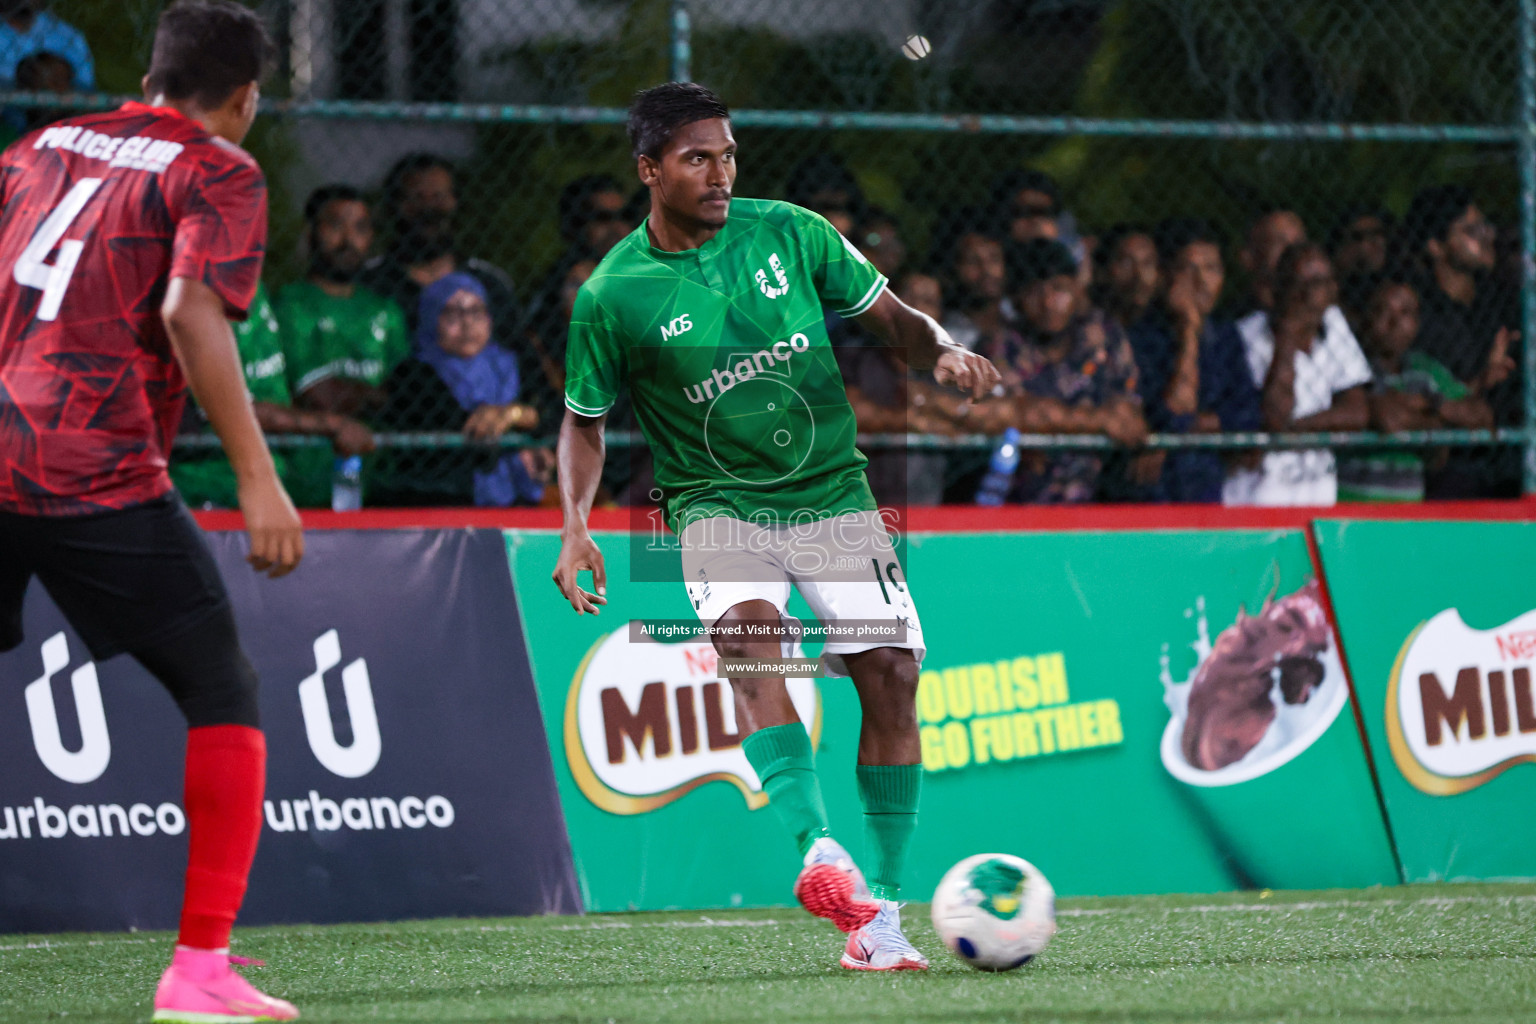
(1110, 198)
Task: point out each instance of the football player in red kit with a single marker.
(127, 240)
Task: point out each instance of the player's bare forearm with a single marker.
(928, 346)
(579, 461)
(916, 334)
(205, 347)
(579, 469)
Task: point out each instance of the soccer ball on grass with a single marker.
(995, 911)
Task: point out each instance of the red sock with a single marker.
(226, 775)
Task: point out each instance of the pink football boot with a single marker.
(202, 987)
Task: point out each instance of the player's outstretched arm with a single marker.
(579, 469)
(204, 344)
(929, 346)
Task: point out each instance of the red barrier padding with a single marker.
(947, 518)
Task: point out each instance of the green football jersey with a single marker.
(206, 477)
(361, 337)
(725, 352)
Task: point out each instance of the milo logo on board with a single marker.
(1460, 707)
(647, 722)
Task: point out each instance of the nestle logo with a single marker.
(1520, 646)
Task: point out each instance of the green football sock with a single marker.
(781, 756)
(889, 793)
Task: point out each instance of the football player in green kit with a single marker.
(711, 313)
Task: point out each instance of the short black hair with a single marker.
(1432, 213)
(953, 225)
(206, 49)
(329, 194)
(31, 69)
(1353, 212)
(572, 203)
(1038, 259)
(1176, 234)
(1110, 240)
(820, 174)
(1290, 263)
(408, 165)
(1010, 183)
(656, 114)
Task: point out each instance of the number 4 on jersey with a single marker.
(32, 270)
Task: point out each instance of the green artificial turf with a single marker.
(1462, 953)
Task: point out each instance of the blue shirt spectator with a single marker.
(1225, 391)
(25, 30)
(1192, 372)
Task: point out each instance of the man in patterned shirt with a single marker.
(711, 313)
(128, 238)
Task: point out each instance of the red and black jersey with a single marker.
(99, 213)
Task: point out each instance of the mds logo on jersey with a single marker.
(679, 325)
(648, 722)
(1460, 703)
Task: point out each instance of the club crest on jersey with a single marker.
(778, 275)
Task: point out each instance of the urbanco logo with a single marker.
(1460, 708)
(362, 755)
(89, 762)
(648, 722)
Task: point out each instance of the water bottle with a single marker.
(347, 484)
(999, 479)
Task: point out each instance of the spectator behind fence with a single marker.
(421, 201)
(1026, 204)
(340, 339)
(878, 237)
(825, 184)
(27, 28)
(456, 380)
(593, 216)
(1466, 325)
(1358, 242)
(1271, 233)
(1127, 274)
(37, 72)
(1311, 376)
(204, 476)
(889, 399)
(1193, 375)
(975, 279)
(1065, 372)
(1409, 391)
(1358, 246)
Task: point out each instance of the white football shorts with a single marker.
(844, 566)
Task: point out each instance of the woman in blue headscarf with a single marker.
(459, 380)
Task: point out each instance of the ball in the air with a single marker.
(995, 911)
(916, 47)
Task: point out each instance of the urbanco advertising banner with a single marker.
(408, 773)
(1439, 622)
(1134, 712)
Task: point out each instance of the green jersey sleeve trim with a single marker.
(868, 299)
(315, 376)
(582, 410)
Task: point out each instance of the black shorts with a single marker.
(125, 579)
